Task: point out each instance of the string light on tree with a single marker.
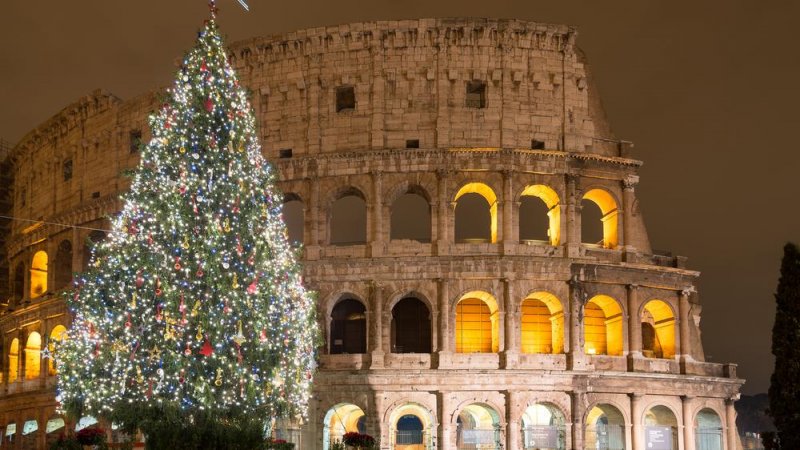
(196, 299)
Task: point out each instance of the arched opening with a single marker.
(342, 418)
(412, 428)
(11, 435)
(18, 286)
(658, 330)
(602, 325)
(349, 219)
(607, 222)
(540, 215)
(63, 273)
(294, 218)
(13, 361)
(85, 422)
(475, 214)
(348, 327)
(33, 356)
(477, 327)
(39, 274)
(411, 327)
(57, 335)
(95, 237)
(54, 428)
(708, 430)
(605, 428)
(660, 428)
(478, 427)
(29, 431)
(543, 427)
(411, 218)
(542, 324)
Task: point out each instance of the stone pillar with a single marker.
(688, 423)
(576, 359)
(637, 429)
(443, 219)
(513, 428)
(376, 326)
(445, 338)
(377, 239)
(634, 324)
(577, 413)
(507, 204)
(314, 224)
(683, 320)
(77, 251)
(731, 437)
(511, 349)
(573, 208)
(446, 428)
(628, 198)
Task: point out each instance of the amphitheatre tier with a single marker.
(468, 220)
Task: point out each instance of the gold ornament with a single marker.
(199, 335)
(227, 226)
(185, 244)
(182, 149)
(218, 380)
(139, 376)
(196, 308)
(155, 353)
(133, 300)
(235, 283)
(239, 337)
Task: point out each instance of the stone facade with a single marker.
(591, 345)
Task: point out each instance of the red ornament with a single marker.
(128, 322)
(139, 279)
(177, 263)
(158, 313)
(263, 336)
(204, 67)
(209, 104)
(187, 352)
(253, 287)
(207, 350)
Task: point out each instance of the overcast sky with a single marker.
(708, 91)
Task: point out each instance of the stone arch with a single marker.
(602, 325)
(340, 419)
(543, 426)
(400, 294)
(609, 208)
(54, 427)
(488, 194)
(33, 356)
(661, 416)
(551, 201)
(30, 428)
(605, 426)
(38, 278)
(478, 324)
(13, 360)
(63, 269)
(410, 212)
(658, 329)
(348, 326)
(347, 217)
(293, 212)
(411, 437)
(541, 323)
(18, 284)
(57, 334)
(708, 429)
(478, 424)
(410, 329)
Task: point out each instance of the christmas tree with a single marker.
(193, 307)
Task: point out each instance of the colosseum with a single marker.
(470, 225)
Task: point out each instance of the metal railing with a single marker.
(605, 437)
(412, 440)
(479, 439)
(708, 438)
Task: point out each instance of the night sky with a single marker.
(708, 92)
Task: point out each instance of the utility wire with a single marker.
(65, 225)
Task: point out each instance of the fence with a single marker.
(708, 438)
(413, 440)
(605, 437)
(479, 439)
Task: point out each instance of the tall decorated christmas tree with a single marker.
(193, 311)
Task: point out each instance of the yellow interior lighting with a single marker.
(542, 324)
(58, 334)
(602, 326)
(13, 361)
(664, 325)
(33, 356)
(39, 274)
(477, 323)
(550, 198)
(608, 206)
(488, 194)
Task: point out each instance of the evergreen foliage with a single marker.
(784, 390)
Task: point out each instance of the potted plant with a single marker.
(279, 444)
(359, 441)
(92, 438)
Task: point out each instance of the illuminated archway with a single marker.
(477, 327)
(488, 194)
(29, 433)
(33, 356)
(478, 427)
(542, 324)
(610, 220)
(661, 420)
(13, 361)
(658, 330)
(340, 419)
(708, 430)
(602, 325)
(605, 428)
(39, 274)
(413, 427)
(58, 334)
(54, 428)
(543, 427)
(550, 198)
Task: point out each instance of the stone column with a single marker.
(577, 413)
(628, 198)
(688, 423)
(507, 204)
(316, 209)
(77, 251)
(634, 324)
(446, 438)
(511, 349)
(513, 433)
(683, 312)
(377, 238)
(575, 358)
(731, 437)
(573, 208)
(377, 326)
(445, 339)
(443, 219)
(637, 428)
